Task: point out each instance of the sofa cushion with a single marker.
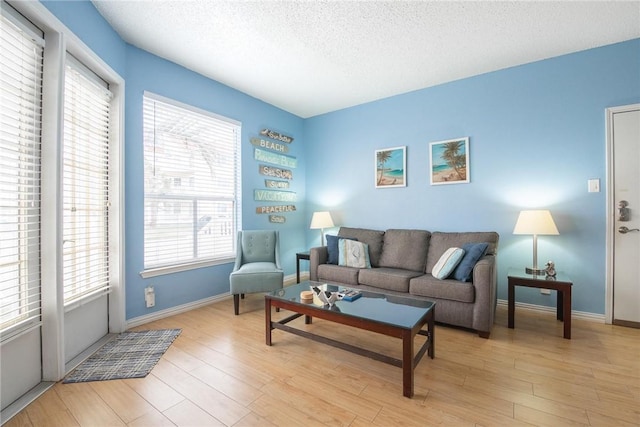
(352, 253)
(472, 253)
(405, 249)
(332, 248)
(447, 263)
(391, 279)
(373, 238)
(441, 241)
(428, 286)
(338, 274)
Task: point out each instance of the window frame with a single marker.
(194, 263)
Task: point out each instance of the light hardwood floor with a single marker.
(220, 372)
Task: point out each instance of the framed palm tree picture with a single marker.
(449, 161)
(391, 167)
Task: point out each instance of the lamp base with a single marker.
(535, 271)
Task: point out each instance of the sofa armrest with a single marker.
(317, 256)
(485, 283)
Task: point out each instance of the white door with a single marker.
(86, 154)
(624, 144)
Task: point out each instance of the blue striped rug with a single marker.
(130, 355)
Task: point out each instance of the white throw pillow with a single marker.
(352, 253)
(447, 263)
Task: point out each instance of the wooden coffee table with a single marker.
(389, 315)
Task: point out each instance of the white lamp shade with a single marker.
(321, 220)
(535, 222)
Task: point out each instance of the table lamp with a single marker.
(321, 220)
(535, 222)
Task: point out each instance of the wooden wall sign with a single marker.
(277, 136)
(275, 172)
(278, 219)
(271, 183)
(274, 196)
(263, 143)
(276, 159)
(275, 209)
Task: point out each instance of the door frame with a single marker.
(61, 39)
(610, 209)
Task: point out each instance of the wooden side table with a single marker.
(301, 255)
(561, 283)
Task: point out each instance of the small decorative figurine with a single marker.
(550, 269)
(327, 297)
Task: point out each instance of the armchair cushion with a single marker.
(258, 246)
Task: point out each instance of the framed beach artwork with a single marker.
(391, 167)
(449, 161)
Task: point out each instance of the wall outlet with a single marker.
(545, 291)
(150, 296)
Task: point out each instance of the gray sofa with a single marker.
(401, 264)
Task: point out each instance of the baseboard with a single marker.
(157, 315)
(593, 317)
(291, 279)
(23, 401)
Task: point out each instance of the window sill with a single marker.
(160, 271)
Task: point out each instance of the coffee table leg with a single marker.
(267, 319)
(431, 328)
(407, 364)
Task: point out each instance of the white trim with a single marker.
(24, 401)
(58, 36)
(584, 315)
(611, 207)
(172, 311)
(191, 108)
(160, 271)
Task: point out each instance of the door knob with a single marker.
(625, 230)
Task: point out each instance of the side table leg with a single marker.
(560, 305)
(567, 313)
(511, 303)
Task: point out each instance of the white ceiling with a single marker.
(313, 57)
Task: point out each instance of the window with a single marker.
(191, 187)
(21, 53)
(85, 189)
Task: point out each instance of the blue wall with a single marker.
(537, 134)
(151, 73)
(143, 71)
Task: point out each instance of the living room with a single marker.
(536, 137)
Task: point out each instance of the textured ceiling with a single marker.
(313, 57)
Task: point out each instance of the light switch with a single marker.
(594, 185)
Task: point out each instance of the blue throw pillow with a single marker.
(472, 254)
(332, 248)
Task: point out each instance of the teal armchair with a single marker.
(257, 267)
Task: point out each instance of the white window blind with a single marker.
(192, 181)
(21, 53)
(85, 190)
